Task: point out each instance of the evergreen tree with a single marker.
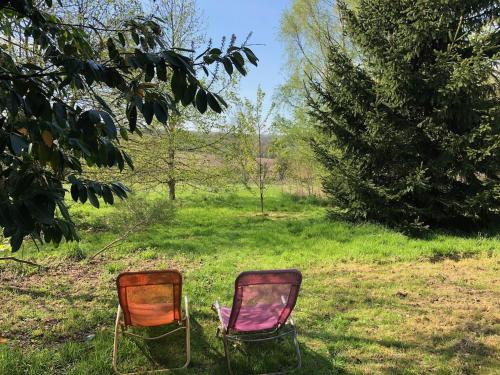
(412, 124)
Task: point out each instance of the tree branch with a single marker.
(24, 261)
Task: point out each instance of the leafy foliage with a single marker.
(412, 126)
(253, 121)
(56, 110)
(295, 160)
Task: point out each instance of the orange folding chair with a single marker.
(150, 299)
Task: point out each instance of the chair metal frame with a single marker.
(285, 329)
(121, 328)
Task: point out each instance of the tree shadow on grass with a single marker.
(167, 352)
(170, 352)
(207, 354)
(459, 350)
(47, 294)
(251, 357)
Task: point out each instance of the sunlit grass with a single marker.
(373, 300)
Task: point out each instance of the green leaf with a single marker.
(113, 78)
(238, 62)
(215, 51)
(56, 234)
(60, 111)
(227, 65)
(250, 55)
(241, 69)
(102, 155)
(161, 70)
(74, 192)
(63, 209)
(36, 103)
(111, 155)
(141, 58)
(161, 113)
(237, 59)
(148, 112)
(213, 103)
(132, 117)
(107, 195)
(201, 101)
(119, 159)
(47, 235)
(18, 144)
(221, 100)
(128, 160)
(135, 37)
(150, 72)
(189, 94)
(93, 198)
(14, 102)
(122, 39)
(16, 241)
(113, 52)
(110, 124)
(178, 84)
(82, 193)
(124, 133)
(119, 190)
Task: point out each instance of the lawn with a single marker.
(372, 300)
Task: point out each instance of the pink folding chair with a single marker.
(262, 305)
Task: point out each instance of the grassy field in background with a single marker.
(372, 300)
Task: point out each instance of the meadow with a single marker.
(372, 300)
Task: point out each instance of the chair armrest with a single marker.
(186, 306)
(216, 307)
(290, 318)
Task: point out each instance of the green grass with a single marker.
(372, 301)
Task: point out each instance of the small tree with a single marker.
(412, 125)
(53, 120)
(189, 142)
(253, 120)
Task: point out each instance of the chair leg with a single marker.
(188, 334)
(117, 336)
(297, 349)
(227, 352)
(293, 333)
(115, 342)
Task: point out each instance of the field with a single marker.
(372, 300)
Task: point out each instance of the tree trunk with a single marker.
(171, 160)
(261, 177)
(171, 189)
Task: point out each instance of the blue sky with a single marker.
(262, 17)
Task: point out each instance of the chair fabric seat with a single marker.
(151, 314)
(253, 318)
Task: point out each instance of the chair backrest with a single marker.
(268, 297)
(150, 298)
